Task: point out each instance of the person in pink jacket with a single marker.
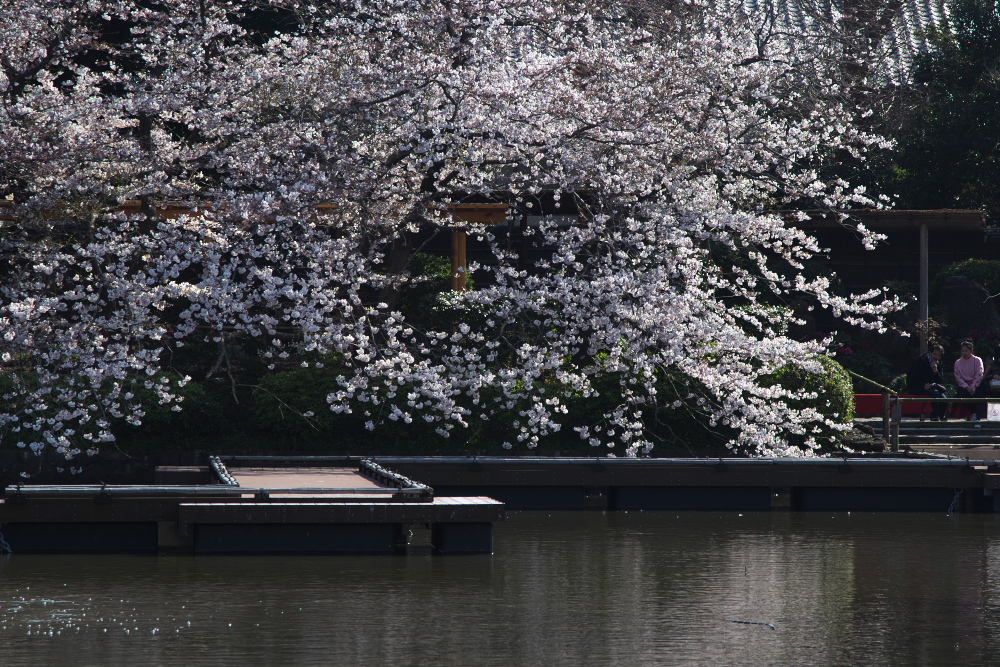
(969, 378)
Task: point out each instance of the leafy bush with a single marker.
(986, 272)
(421, 300)
(281, 400)
(290, 411)
(987, 343)
(834, 391)
(293, 403)
(199, 419)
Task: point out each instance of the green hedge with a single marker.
(268, 417)
(200, 420)
(282, 398)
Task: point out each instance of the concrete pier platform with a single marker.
(340, 505)
(363, 508)
(869, 483)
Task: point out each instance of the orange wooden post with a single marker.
(459, 263)
(488, 214)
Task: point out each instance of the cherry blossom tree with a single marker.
(675, 143)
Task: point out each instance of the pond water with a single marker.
(585, 588)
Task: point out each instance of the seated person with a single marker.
(924, 379)
(991, 378)
(969, 378)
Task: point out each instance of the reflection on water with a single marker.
(562, 588)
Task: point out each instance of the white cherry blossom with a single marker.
(307, 159)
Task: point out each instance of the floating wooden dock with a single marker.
(923, 483)
(342, 504)
(359, 508)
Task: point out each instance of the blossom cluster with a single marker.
(307, 157)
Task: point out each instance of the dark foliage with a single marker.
(948, 154)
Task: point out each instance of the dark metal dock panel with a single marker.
(473, 510)
(295, 538)
(736, 498)
(88, 510)
(482, 475)
(912, 499)
(81, 537)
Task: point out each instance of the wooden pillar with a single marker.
(459, 263)
(480, 214)
(924, 286)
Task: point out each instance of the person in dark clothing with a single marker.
(924, 379)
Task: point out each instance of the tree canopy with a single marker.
(311, 155)
(948, 153)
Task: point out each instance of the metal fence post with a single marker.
(885, 416)
(897, 417)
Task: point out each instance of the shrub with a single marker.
(834, 392)
(281, 400)
(986, 272)
(199, 419)
(290, 411)
(421, 300)
(987, 343)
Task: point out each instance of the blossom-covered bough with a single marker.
(309, 159)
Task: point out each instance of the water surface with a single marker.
(584, 588)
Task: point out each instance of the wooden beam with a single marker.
(888, 221)
(487, 214)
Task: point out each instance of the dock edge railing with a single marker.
(402, 488)
(889, 398)
(892, 409)
(221, 472)
(386, 477)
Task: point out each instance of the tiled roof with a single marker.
(903, 40)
